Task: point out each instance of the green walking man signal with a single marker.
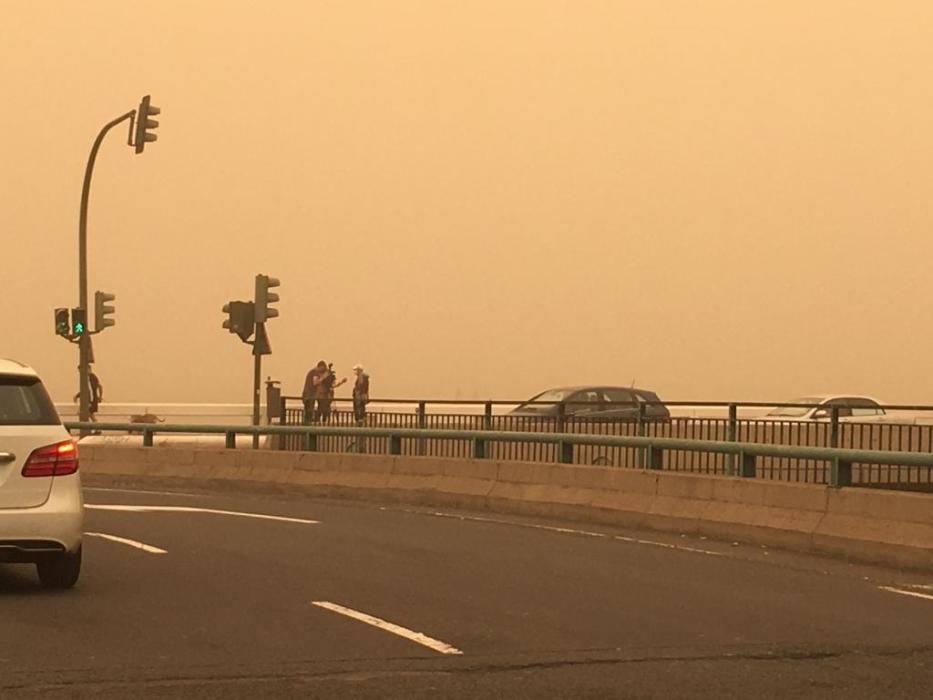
(73, 323)
(78, 321)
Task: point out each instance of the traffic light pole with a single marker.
(257, 381)
(248, 318)
(84, 340)
(260, 347)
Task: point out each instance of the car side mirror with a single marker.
(820, 413)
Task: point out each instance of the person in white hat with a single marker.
(360, 393)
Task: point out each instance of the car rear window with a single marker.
(24, 401)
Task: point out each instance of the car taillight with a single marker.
(59, 459)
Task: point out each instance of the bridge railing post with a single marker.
(230, 440)
(834, 426)
(280, 442)
(655, 457)
(641, 452)
(732, 433)
(840, 472)
(565, 449)
(422, 424)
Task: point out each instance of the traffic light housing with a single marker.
(62, 322)
(102, 311)
(264, 298)
(240, 318)
(78, 321)
(144, 124)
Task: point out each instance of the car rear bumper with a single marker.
(56, 525)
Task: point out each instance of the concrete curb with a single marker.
(867, 525)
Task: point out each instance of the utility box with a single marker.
(273, 399)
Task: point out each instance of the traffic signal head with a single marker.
(62, 322)
(102, 310)
(264, 298)
(144, 123)
(240, 319)
(78, 321)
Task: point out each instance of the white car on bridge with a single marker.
(852, 408)
(41, 507)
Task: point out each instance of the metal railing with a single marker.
(735, 425)
(842, 466)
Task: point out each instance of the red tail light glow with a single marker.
(59, 459)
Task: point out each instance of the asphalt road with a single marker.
(245, 607)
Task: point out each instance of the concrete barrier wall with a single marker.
(863, 524)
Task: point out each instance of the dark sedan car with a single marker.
(602, 403)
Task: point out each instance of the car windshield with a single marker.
(552, 395)
(796, 411)
(24, 401)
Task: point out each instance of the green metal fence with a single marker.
(832, 433)
(839, 466)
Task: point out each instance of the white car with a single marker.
(852, 408)
(41, 506)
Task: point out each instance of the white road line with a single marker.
(913, 594)
(666, 545)
(571, 531)
(922, 586)
(130, 543)
(416, 637)
(192, 509)
(143, 491)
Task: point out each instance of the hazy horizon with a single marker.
(716, 200)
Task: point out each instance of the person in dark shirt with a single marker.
(310, 392)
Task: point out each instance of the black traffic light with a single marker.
(78, 321)
(62, 322)
(102, 311)
(264, 298)
(240, 318)
(144, 123)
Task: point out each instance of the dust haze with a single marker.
(715, 200)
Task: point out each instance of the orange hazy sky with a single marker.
(723, 199)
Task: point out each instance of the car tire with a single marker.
(60, 571)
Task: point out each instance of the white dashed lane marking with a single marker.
(572, 531)
(417, 637)
(140, 491)
(913, 594)
(192, 509)
(148, 548)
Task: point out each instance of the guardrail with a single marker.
(487, 406)
(742, 456)
(836, 431)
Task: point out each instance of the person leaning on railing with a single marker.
(360, 393)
